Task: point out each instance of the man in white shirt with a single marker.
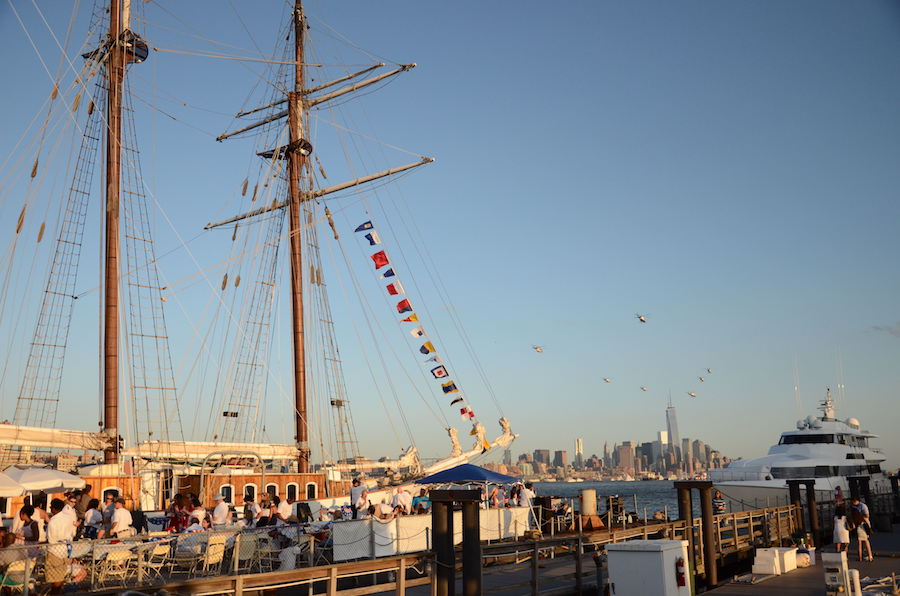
(252, 511)
(283, 511)
(60, 530)
(403, 499)
(121, 520)
(222, 513)
(359, 494)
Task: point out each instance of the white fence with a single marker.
(368, 538)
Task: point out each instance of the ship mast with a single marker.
(115, 69)
(296, 162)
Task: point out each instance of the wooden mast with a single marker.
(115, 69)
(296, 162)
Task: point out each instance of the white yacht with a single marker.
(824, 448)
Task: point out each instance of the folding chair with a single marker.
(14, 576)
(158, 559)
(211, 561)
(117, 565)
(247, 552)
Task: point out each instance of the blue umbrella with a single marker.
(465, 474)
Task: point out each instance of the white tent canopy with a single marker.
(33, 479)
(9, 487)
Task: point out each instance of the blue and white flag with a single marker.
(364, 226)
(373, 238)
(388, 273)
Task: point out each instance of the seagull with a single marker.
(538, 349)
(692, 394)
(701, 379)
(607, 380)
(640, 317)
(643, 389)
(709, 371)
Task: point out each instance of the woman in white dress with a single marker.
(841, 536)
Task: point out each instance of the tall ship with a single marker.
(205, 430)
(823, 448)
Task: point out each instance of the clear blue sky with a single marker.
(730, 169)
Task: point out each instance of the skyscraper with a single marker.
(507, 457)
(672, 428)
(542, 456)
(561, 459)
(579, 453)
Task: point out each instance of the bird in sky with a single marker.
(701, 379)
(640, 317)
(692, 394)
(643, 389)
(538, 349)
(607, 380)
(709, 371)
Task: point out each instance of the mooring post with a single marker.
(471, 549)
(794, 496)
(579, 550)
(813, 512)
(535, 580)
(442, 528)
(709, 537)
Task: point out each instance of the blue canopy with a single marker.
(467, 473)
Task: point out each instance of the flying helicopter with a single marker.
(643, 388)
(709, 371)
(640, 317)
(538, 349)
(607, 380)
(692, 394)
(701, 379)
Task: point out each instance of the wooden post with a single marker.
(579, 546)
(239, 585)
(312, 550)
(471, 549)
(401, 577)
(709, 546)
(535, 580)
(296, 161)
(235, 552)
(813, 512)
(332, 581)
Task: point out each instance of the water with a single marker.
(655, 495)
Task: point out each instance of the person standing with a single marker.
(121, 520)
(60, 530)
(222, 513)
(252, 511)
(718, 503)
(359, 493)
(93, 520)
(283, 511)
(841, 534)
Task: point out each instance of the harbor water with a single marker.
(655, 495)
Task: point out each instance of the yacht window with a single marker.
(854, 456)
(874, 468)
(796, 439)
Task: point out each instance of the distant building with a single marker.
(542, 456)
(579, 453)
(561, 459)
(625, 451)
(507, 457)
(698, 451)
(672, 429)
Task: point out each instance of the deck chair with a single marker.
(267, 553)
(211, 561)
(158, 559)
(247, 553)
(14, 576)
(116, 566)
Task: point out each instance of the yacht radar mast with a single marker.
(827, 406)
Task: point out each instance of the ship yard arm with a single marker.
(321, 192)
(312, 102)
